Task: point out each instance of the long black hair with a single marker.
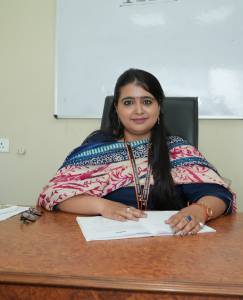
(162, 193)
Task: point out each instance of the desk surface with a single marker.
(52, 253)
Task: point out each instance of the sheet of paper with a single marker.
(100, 228)
(11, 211)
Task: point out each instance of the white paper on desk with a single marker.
(100, 228)
(11, 211)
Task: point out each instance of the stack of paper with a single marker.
(100, 228)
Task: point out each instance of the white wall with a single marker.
(27, 75)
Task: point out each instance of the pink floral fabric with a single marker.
(99, 180)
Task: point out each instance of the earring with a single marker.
(158, 121)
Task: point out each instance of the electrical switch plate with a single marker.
(4, 145)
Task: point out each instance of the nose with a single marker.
(139, 108)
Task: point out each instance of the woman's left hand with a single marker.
(188, 220)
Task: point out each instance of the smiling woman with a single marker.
(136, 165)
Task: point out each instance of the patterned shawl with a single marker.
(103, 167)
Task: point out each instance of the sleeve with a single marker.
(193, 192)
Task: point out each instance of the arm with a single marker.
(216, 205)
(91, 205)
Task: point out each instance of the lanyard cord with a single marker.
(141, 194)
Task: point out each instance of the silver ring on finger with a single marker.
(128, 209)
(188, 218)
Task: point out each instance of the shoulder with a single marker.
(94, 140)
(182, 153)
(176, 141)
(178, 148)
(98, 136)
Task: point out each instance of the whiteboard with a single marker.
(194, 48)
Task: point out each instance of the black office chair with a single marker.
(181, 117)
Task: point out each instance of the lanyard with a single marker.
(141, 194)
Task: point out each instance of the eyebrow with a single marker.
(142, 98)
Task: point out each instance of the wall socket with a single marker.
(4, 145)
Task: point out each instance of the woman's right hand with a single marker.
(120, 212)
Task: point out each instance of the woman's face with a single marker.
(138, 111)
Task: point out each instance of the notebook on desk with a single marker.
(100, 228)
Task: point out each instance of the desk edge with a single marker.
(50, 280)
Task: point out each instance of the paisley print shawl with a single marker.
(100, 168)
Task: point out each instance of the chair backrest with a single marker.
(181, 117)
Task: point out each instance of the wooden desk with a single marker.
(50, 259)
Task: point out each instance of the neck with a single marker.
(130, 137)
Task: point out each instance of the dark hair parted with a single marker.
(163, 192)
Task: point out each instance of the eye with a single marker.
(127, 102)
(147, 101)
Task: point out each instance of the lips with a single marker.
(139, 121)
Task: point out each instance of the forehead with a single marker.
(133, 90)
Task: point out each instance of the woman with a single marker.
(136, 165)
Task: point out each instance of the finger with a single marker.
(137, 213)
(119, 217)
(132, 214)
(196, 229)
(191, 228)
(124, 214)
(177, 219)
(172, 219)
(132, 217)
(180, 225)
